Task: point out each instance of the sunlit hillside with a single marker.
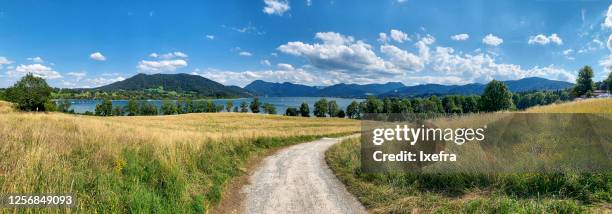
(142, 164)
(582, 106)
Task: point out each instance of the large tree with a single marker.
(496, 97)
(332, 108)
(584, 82)
(255, 105)
(320, 108)
(352, 110)
(609, 82)
(30, 93)
(304, 110)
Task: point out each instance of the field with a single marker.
(452, 192)
(160, 164)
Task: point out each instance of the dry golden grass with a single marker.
(55, 152)
(603, 105)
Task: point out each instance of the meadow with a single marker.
(142, 164)
(477, 192)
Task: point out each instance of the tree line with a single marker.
(32, 93)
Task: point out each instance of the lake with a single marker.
(281, 103)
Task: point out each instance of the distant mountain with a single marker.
(355, 90)
(178, 83)
(522, 85)
(263, 88)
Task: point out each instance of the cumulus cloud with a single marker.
(245, 53)
(339, 53)
(492, 40)
(544, 40)
(265, 62)
(276, 7)
(568, 54)
(284, 73)
(97, 56)
(460, 37)
(382, 37)
(36, 59)
(211, 37)
(4, 61)
(38, 70)
(77, 75)
(608, 21)
(171, 55)
(482, 67)
(399, 36)
(161, 65)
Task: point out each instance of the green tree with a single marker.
(30, 93)
(244, 107)
(352, 110)
(374, 105)
(470, 104)
(105, 108)
(496, 97)
(405, 106)
(269, 108)
(584, 82)
(118, 111)
(236, 109)
(341, 114)
(255, 105)
(147, 108)
(63, 105)
(320, 108)
(332, 108)
(132, 107)
(609, 82)
(304, 110)
(291, 111)
(168, 107)
(229, 105)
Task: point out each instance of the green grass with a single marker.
(468, 193)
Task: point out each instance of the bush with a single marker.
(291, 111)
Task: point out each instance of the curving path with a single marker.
(297, 180)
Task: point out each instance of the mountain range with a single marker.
(206, 87)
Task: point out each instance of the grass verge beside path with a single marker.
(434, 193)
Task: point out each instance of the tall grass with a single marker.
(452, 192)
(162, 164)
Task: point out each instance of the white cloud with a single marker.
(100, 81)
(383, 38)
(284, 73)
(211, 37)
(161, 65)
(245, 53)
(340, 53)
(77, 75)
(399, 36)
(401, 1)
(608, 21)
(276, 7)
(97, 56)
(568, 54)
(460, 37)
(35, 69)
(402, 58)
(610, 42)
(4, 61)
(492, 40)
(544, 40)
(483, 68)
(36, 59)
(606, 62)
(265, 62)
(308, 3)
(593, 45)
(171, 55)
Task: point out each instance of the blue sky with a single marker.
(313, 42)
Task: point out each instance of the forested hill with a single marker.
(182, 83)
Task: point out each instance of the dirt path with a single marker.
(297, 180)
